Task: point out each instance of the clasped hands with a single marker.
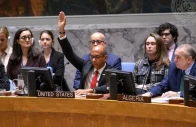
(170, 94)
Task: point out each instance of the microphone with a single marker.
(142, 90)
(63, 76)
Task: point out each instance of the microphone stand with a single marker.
(63, 77)
(144, 83)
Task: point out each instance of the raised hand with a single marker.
(62, 21)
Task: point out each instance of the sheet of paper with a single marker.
(80, 96)
(163, 100)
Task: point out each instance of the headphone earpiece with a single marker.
(39, 42)
(9, 38)
(32, 40)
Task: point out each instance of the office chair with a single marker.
(127, 66)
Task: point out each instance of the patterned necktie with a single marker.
(94, 79)
(182, 81)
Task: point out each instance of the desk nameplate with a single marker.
(192, 103)
(176, 101)
(94, 96)
(132, 98)
(56, 94)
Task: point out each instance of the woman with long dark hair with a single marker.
(24, 53)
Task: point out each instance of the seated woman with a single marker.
(4, 81)
(5, 49)
(54, 59)
(24, 53)
(151, 70)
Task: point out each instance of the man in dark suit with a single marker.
(172, 84)
(92, 71)
(114, 61)
(169, 35)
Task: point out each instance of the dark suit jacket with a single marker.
(57, 64)
(13, 67)
(4, 81)
(173, 56)
(113, 60)
(83, 66)
(171, 82)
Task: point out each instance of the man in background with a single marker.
(169, 35)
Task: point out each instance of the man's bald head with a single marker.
(98, 56)
(98, 35)
(97, 38)
(99, 48)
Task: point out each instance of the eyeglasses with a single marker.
(96, 57)
(25, 37)
(166, 34)
(47, 39)
(94, 41)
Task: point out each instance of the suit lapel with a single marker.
(85, 70)
(173, 56)
(178, 79)
(52, 56)
(18, 67)
(102, 77)
(193, 70)
(31, 62)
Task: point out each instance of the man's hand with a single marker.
(62, 21)
(170, 94)
(83, 91)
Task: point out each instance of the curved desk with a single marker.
(56, 112)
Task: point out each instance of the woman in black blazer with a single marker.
(54, 59)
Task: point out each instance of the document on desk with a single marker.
(80, 96)
(163, 100)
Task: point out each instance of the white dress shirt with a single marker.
(90, 76)
(5, 56)
(170, 51)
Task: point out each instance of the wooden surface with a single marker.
(51, 112)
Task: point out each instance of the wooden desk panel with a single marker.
(46, 112)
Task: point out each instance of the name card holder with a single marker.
(94, 96)
(132, 98)
(176, 101)
(5, 93)
(56, 94)
(192, 103)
